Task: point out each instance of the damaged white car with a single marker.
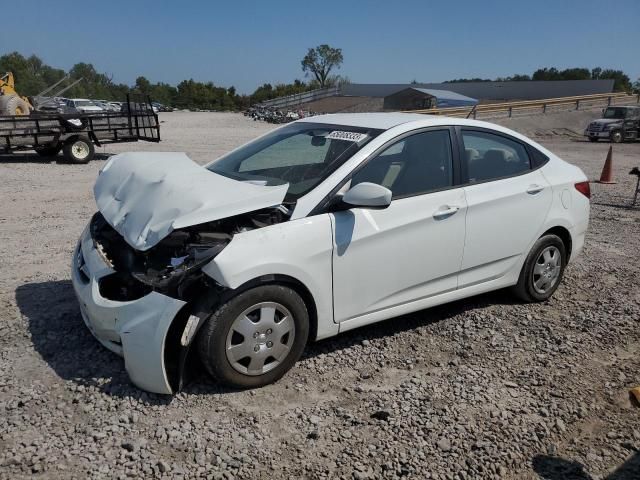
(320, 226)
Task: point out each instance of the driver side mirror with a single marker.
(368, 195)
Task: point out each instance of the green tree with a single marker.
(143, 86)
(622, 82)
(319, 62)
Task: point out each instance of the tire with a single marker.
(4, 99)
(260, 313)
(551, 251)
(49, 150)
(14, 105)
(593, 139)
(616, 136)
(78, 150)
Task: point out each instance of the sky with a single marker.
(246, 44)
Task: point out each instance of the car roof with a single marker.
(386, 121)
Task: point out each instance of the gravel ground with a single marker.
(481, 388)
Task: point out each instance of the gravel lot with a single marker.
(482, 388)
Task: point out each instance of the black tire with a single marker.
(593, 139)
(49, 150)
(14, 105)
(616, 136)
(78, 150)
(526, 289)
(212, 337)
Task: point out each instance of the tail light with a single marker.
(583, 188)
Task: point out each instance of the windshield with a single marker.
(301, 154)
(614, 112)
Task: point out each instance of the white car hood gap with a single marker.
(144, 196)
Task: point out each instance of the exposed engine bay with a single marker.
(173, 266)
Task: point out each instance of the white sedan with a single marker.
(323, 225)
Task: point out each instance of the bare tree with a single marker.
(320, 61)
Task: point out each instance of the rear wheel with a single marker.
(78, 150)
(542, 270)
(254, 338)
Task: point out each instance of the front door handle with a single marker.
(445, 212)
(534, 189)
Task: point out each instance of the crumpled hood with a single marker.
(144, 196)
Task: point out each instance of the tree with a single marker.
(143, 85)
(320, 61)
(622, 83)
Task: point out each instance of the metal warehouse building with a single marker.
(413, 98)
(495, 91)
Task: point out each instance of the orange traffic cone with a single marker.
(607, 174)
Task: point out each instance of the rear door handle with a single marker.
(533, 189)
(445, 212)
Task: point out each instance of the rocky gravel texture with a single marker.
(482, 388)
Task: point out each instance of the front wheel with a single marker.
(253, 339)
(616, 136)
(542, 270)
(78, 150)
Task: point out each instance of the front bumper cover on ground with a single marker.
(135, 329)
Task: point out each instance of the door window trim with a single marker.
(534, 163)
(455, 165)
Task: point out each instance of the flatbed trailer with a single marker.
(77, 133)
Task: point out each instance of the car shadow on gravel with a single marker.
(63, 341)
(557, 468)
(392, 326)
(31, 157)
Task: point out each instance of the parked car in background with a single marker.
(162, 108)
(137, 107)
(83, 105)
(323, 225)
(107, 106)
(616, 125)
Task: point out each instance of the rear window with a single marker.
(488, 156)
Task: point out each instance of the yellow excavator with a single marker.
(10, 102)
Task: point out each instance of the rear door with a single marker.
(507, 201)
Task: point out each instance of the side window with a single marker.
(488, 156)
(417, 164)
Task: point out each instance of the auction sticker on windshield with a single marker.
(348, 136)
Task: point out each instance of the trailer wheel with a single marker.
(78, 150)
(49, 150)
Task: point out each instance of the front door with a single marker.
(412, 249)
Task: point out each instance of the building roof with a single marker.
(442, 94)
(525, 90)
